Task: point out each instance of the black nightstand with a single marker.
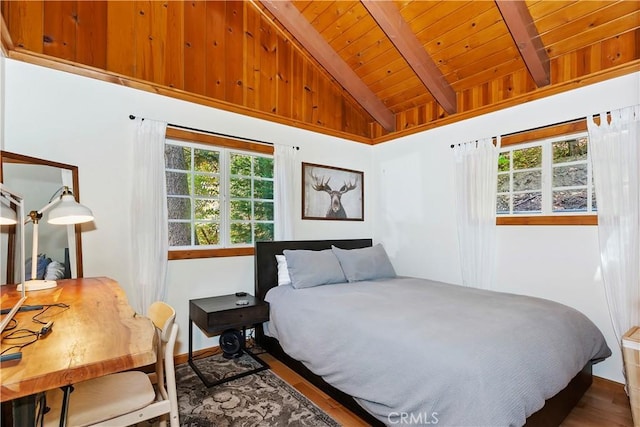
(216, 315)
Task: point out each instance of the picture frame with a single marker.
(332, 193)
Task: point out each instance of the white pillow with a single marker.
(55, 271)
(283, 271)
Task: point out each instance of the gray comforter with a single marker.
(426, 352)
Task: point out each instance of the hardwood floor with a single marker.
(604, 404)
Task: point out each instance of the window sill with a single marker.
(209, 253)
(548, 220)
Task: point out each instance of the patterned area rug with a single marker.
(261, 399)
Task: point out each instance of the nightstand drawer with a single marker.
(238, 317)
(216, 314)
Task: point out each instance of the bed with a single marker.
(384, 366)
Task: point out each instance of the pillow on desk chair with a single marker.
(102, 399)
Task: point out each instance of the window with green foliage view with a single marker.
(551, 177)
(217, 197)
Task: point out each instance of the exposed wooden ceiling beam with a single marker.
(527, 39)
(312, 41)
(388, 16)
(6, 44)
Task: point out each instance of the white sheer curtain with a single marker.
(476, 175)
(285, 162)
(149, 234)
(615, 155)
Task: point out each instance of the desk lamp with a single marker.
(64, 211)
(8, 216)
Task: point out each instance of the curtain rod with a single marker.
(540, 127)
(132, 117)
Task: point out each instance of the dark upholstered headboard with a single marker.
(266, 270)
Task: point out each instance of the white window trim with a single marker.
(547, 177)
(224, 198)
(227, 198)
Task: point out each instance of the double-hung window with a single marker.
(550, 177)
(217, 197)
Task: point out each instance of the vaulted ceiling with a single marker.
(369, 71)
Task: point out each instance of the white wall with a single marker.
(80, 121)
(2, 97)
(415, 209)
(3, 236)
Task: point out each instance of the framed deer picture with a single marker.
(332, 193)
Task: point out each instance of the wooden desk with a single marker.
(98, 335)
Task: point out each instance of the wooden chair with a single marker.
(126, 398)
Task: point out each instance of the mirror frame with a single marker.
(8, 157)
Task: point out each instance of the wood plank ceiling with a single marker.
(368, 71)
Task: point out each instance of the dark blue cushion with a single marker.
(43, 262)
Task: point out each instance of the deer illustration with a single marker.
(335, 209)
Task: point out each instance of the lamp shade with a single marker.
(7, 215)
(68, 211)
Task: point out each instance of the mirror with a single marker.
(37, 181)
